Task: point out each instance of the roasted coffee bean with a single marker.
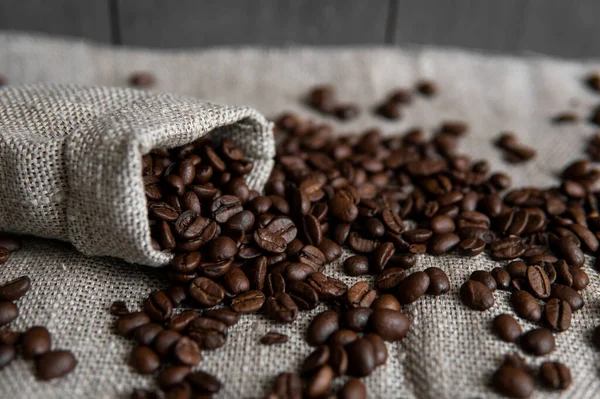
(538, 342)
(507, 248)
(129, 322)
(206, 292)
(298, 271)
(288, 385)
(569, 251)
(405, 261)
(55, 364)
(360, 295)
(187, 352)
(569, 295)
(235, 281)
(442, 224)
(180, 322)
(338, 360)
(356, 319)
(7, 354)
(513, 382)
(417, 236)
(502, 278)
(438, 281)
(330, 249)
(517, 269)
(357, 265)
(176, 294)
(343, 208)
(165, 236)
(538, 281)
(10, 243)
(165, 341)
(207, 339)
(586, 237)
(321, 327)
(257, 272)
(283, 226)
(526, 306)
(274, 283)
(221, 248)
(227, 317)
(204, 382)
(485, 278)
(260, 204)
(580, 279)
(269, 241)
(15, 289)
(312, 229)
(273, 338)
(555, 375)
(373, 227)
(9, 337)
(240, 224)
(118, 308)
(158, 306)
(442, 243)
(471, 246)
(361, 357)
(353, 389)
(248, 302)
(163, 211)
(303, 294)
(146, 334)
(186, 262)
(361, 245)
(390, 325)
(172, 376)
(36, 341)
(476, 295)
(318, 358)
(381, 256)
(413, 287)
(389, 279)
(4, 254)
(320, 383)
(224, 207)
(558, 314)
(342, 337)
(386, 301)
(507, 328)
(327, 287)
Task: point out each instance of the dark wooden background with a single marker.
(567, 28)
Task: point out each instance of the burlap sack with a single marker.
(70, 160)
(449, 352)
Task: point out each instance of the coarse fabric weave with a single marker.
(450, 351)
(71, 160)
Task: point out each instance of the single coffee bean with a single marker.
(471, 246)
(413, 287)
(569, 295)
(381, 353)
(513, 382)
(360, 295)
(485, 278)
(342, 337)
(580, 279)
(281, 307)
(273, 338)
(338, 360)
(257, 272)
(288, 385)
(172, 375)
(221, 248)
(4, 255)
(386, 301)
(330, 249)
(353, 389)
(538, 342)
(321, 327)
(327, 287)
(9, 337)
(7, 354)
(558, 314)
(12, 244)
(360, 244)
(343, 208)
(517, 269)
(206, 292)
(55, 364)
(204, 382)
(318, 358)
(361, 357)
(165, 341)
(507, 248)
(146, 334)
(391, 325)
(269, 241)
(526, 306)
(569, 251)
(389, 279)
(176, 294)
(442, 224)
(538, 281)
(502, 278)
(320, 383)
(442, 243)
(303, 295)
(158, 306)
(507, 328)
(357, 265)
(260, 204)
(187, 352)
(15, 289)
(373, 227)
(8, 312)
(224, 207)
(298, 271)
(129, 322)
(236, 281)
(36, 341)
(439, 283)
(356, 319)
(312, 229)
(380, 257)
(248, 302)
(476, 295)
(227, 317)
(555, 375)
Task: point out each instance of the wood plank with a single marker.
(86, 19)
(189, 23)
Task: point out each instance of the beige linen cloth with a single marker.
(449, 351)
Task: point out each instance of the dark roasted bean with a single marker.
(321, 327)
(476, 295)
(555, 375)
(391, 325)
(248, 302)
(537, 342)
(55, 364)
(361, 357)
(526, 306)
(413, 287)
(513, 382)
(14, 289)
(569, 295)
(389, 279)
(502, 278)
(485, 278)
(507, 328)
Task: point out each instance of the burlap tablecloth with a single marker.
(449, 351)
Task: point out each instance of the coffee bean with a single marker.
(207, 339)
(507, 328)
(303, 294)
(343, 208)
(224, 207)
(158, 306)
(485, 278)
(129, 322)
(356, 319)
(257, 272)
(320, 383)
(227, 317)
(4, 255)
(186, 262)
(330, 249)
(417, 236)
(12, 244)
(221, 248)
(312, 229)
(357, 265)
(312, 256)
(438, 281)
(389, 324)
(513, 382)
(288, 385)
(172, 375)
(321, 327)
(580, 279)
(318, 358)
(7, 354)
(15, 289)
(55, 364)
(165, 341)
(526, 306)
(342, 337)
(569, 251)
(203, 382)
(206, 292)
(36, 341)
(381, 256)
(327, 287)
(386, 301)
(273, 338)
(360, 295)
(353, 389)
(146, 334)
(502, 278)
(476, 295)
(298, 271)
(338, 360)
(555, 375)
(361, 245)
(260, 204)
(538, 342)
(269, 241)
(558, 314)
(9, 337)
(187, 352)
(507, 248)
(413, 287)
(442, 243)
(248, 302)
(176, 294)
(538, 281)
(389, 279)
(361, 357)
(517, 269)
(569, 295)
(471, 246)
(163, 212)
(392, 221)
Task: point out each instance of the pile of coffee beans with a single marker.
(34, 343)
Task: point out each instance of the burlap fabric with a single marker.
(449, 351)
(70, 160)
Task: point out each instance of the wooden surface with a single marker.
(567, 28)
